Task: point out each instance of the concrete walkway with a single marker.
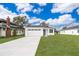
(26, 46)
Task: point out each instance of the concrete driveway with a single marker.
(26, 46)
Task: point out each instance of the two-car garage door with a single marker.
(34, 32)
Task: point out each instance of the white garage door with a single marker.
(34, 32)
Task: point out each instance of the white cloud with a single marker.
(42, 4)
(27, 16)
(24, 7)
(64, 7)
(36, 20)
(78, 11)
(37, 11)
(4, 13)
(62, 20)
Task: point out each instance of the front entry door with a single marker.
(44, 32)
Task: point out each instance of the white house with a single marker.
(70, 31)
(2, 28)
(38, 31)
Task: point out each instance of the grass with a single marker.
(6, 39)
(59, 45)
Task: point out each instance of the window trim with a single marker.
(34, 29)
(50, 30)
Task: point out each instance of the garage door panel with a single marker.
(34, 33)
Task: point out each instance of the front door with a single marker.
(44, 32)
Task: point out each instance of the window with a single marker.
(39, 29)
(4, 29)
(51, 31)
(34, 29)
(29, 29)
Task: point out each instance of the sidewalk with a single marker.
(21, 47)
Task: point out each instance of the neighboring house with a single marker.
(2, 27)
(38, 31)
(70, 31)
(8, 28)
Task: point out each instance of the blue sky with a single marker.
(45, 14)
(56, 14)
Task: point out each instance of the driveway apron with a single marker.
(26, 46)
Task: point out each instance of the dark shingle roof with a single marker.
(12, 25)
(2, 20)
(39, 26)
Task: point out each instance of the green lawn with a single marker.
(59, 45)
(6, 39)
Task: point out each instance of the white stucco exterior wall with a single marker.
(2, 33)
(50, 33)
(11, 32)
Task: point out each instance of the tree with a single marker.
(20, 20)
(44, 24)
